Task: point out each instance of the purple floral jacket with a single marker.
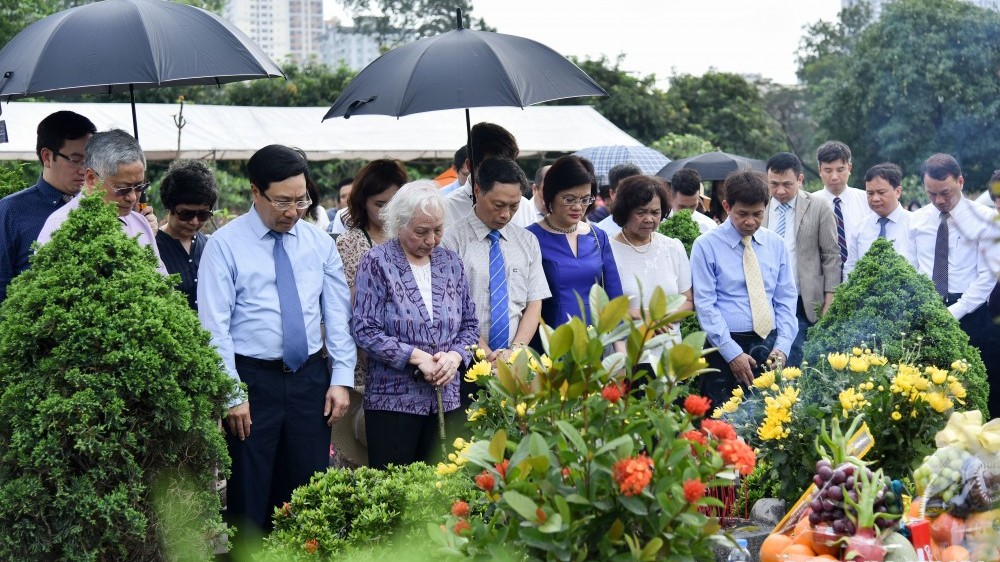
(390, 320)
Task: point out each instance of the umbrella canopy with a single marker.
(712, 166)
(604, 158)
(123, 45)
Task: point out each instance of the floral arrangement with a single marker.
(904, 405)
(575, 455)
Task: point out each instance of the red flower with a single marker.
(540, 515)
(286, 509)
(565, 472)
(311, 546)
(694, 436)
(460, 509)
(718, 429)
(694, 490)
(502, 468)
(738, 454)
(613, 391)
(485, 481)
(633, 474)
(696, 405)
(461, 526)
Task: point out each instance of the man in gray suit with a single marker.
(807, 226)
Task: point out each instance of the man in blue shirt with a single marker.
(62, 138)
(266, 283)
(743, 290)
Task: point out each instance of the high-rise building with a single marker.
(345, 45)
(282, 28)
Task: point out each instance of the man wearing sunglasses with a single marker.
(62, 137)
(114, 163)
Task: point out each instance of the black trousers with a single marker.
(795, 353)
(289, 440)
(984, 335)
(400, 438)
(718, 387)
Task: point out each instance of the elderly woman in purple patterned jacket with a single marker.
(415, 318)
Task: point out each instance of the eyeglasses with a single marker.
(570, 201)
(188, 215)
(286, 205)
(139, 188)
(74, 160)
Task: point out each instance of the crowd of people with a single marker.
(389, 298)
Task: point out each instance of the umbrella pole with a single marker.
(135, 122)
(468, 147)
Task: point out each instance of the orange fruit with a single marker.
(982, 526)
(798, 553)
(914, 512)
(947, 530)
(955, 553)
(773, 546)
(825, 557)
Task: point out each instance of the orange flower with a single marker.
(502, 468)
(696, 405)
(461, 526)
(633, 474)
(718, 429)
(738, 454)
(485, 481)
(694, 490)
(613, 392)
(311, 546)
(460, 509)
(540, 515)
(694, 436)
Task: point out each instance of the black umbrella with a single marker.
(712, 166)
(460, 69)
(123, 45)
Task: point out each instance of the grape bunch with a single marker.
(942, 472)
(836, 483)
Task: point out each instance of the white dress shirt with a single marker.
(772, 224)
(608, 225)
(897, 231)
(337, 225)
(458, 204)
(972, 235)
(854, 205)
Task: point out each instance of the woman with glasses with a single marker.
(575, 255)
(189, 194)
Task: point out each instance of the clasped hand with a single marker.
(439, 369)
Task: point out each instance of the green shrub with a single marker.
(344, 513)
(681, 226)
(11, 178)
(888, 305)
(111, 393)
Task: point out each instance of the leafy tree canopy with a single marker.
(921, 79)
(394, 22)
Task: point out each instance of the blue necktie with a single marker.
(881, 226)
(499, 321)
(838, 214)
(782, 214)
(293, 324)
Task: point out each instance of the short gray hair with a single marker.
(419, 195)
(109, 149)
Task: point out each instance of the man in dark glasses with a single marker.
(114, 163)
(62, 137)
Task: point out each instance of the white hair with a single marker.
(420, 195)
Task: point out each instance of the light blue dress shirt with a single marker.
(238, 296)
(720, 287)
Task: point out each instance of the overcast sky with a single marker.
(664, 37)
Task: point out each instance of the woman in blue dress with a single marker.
(575, 254)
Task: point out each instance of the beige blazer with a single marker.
(817, 255)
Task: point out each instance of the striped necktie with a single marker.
(782, 217)
(841, 234)
(499, 299)
(939, 273)
(760, 309)
(293, 323)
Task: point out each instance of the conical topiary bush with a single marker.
(110, 392)
(885, 298)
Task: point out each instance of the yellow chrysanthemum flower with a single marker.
(957, 390)
(765, 380)
(837, 360)
(480, 354)
(938, 376)
(939, 402)
(858, 364)
(477, 370)
(791, 373)
(856, 352)
(738, 392)
(475, 414)
(521, 409)
(960, 365)
(896, 416)
(444, 469)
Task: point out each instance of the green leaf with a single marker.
(634, 504)
(560, 341)
(563, 508)
(613, 314)
(616, 531)
(498, 445)
(613, 444)
(572, 435)
(652, 548)
(552, 525)
(521, 504)
(657, 303)
(577, 499)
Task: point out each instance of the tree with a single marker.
(394, 22)
(921, 79)
(725, 109)
(788, 106)
(676, 146)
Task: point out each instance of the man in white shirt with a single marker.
(616, 174)
(850, 205)
(538, 202)
(488, 140)
(685, 193)
(887, 219)
(955, 242)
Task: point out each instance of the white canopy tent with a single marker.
(235, 132)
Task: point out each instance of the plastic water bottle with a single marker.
(740, 553)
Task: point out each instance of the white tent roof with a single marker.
(235, 132)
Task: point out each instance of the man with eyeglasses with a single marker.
(114, 163)
(266, 282)
(62, 138)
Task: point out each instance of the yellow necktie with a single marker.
(760, 309)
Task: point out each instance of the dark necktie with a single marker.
(66, 198)
(499, 320)
(293, 324)
(881, 226)
(841, 234)
(940, 272)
